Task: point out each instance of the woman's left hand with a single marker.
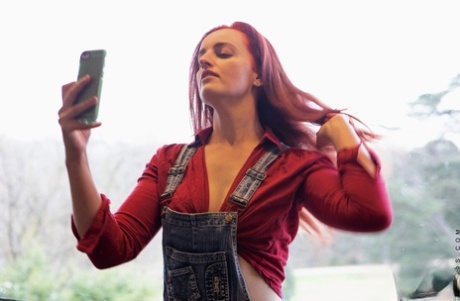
(338, 131)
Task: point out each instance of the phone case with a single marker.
(92, 63)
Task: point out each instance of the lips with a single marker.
(208, 73)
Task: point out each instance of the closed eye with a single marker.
(221, 50)
(224, 55)
(224, 50)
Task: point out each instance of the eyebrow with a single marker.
(216, 46)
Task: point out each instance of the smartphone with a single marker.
(91, 62)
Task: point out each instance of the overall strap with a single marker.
(254, 176)
(176, 172)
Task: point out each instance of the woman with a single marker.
(231, 202)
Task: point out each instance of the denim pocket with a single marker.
(188, 274)
(182, 285)
(216, 281)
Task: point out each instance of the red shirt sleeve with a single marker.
(347, 197)
(117, 238)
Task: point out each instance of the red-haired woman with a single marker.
(231, 202)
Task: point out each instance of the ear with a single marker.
(257, 82)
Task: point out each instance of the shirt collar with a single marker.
(268, 136)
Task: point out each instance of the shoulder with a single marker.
(162, 159)
(167, 153)
(297, 153)
(300, 160)
(302, 155)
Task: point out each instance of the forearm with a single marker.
(116, 238)
(348, 198)
(86, 199)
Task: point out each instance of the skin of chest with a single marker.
(223, 165)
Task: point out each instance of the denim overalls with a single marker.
(200, 250)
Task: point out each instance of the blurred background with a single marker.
(394, 64)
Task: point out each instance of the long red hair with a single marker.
(287, 110)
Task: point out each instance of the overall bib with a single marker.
(200, 250)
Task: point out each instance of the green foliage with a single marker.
(24, 278)
(428, 104)
(32, 278)
(422, 231)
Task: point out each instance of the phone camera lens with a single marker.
(85, 55)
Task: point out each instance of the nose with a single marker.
(204, 62)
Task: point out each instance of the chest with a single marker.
(212, 180)
(223, 167)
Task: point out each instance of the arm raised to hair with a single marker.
(341, 134)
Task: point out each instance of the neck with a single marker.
(236, 127)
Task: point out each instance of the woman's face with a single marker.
(226, 67)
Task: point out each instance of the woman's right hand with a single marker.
(75, 134)
(86, 199)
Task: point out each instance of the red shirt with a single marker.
(344, 197)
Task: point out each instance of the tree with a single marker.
(38, 258)
(25, 197)
(444, 104)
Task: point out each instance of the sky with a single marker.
(372, 57)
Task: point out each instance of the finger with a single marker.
(335, 117)
(322, 136)
(71, 112)
(71, 90)
(330, 116)
(65, 88)
(343, 117)
(68, 125)
(322, 141)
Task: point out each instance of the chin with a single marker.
(210, 96)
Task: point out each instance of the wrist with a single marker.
(75, 158)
